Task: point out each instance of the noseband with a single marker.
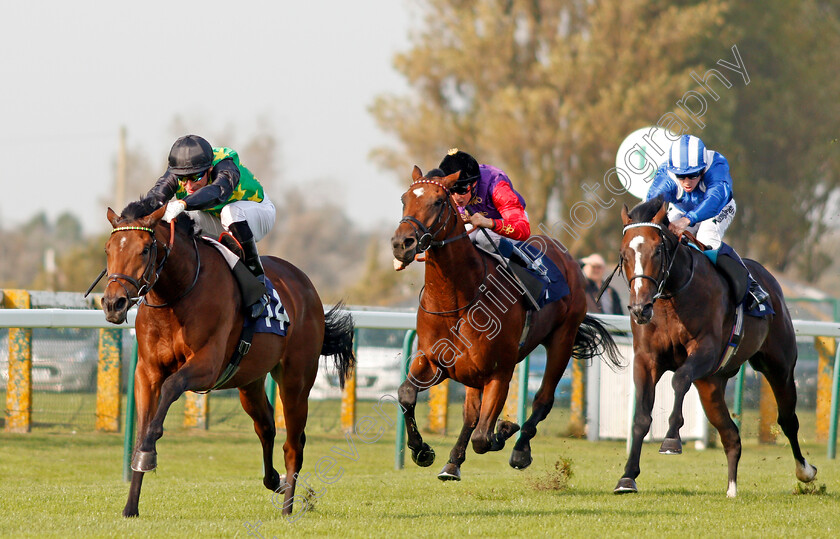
(668, 259)
(425, 235)
(151, 273)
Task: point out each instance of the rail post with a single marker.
(108, 401)
(19, 387)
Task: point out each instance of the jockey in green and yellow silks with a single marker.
(221, 195)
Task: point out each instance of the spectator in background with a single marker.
(594, 267)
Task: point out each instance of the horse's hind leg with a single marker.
(784, 389)
(558, 352)
(294, 393)
(714, 404)
(255, 403)
(421, 376)
(452, 469)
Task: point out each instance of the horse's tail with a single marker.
(593, 339)
(338, 340)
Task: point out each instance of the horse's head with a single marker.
(132, 254)
(646, 255)
(429, 216)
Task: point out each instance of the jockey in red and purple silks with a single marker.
(488, 196)
(486, 199)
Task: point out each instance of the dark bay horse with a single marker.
(189, 324)
(471, 326)
(682, 315)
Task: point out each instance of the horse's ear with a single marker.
(450, 180)
(154, 218)
(113, 218)
(416, 174)
(625, 215)
(660, 215)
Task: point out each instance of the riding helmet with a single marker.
(687, 156)
(456, 160)
(190, 154)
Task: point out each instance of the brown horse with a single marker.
(189, 323)
(471, 326)
(682, 315)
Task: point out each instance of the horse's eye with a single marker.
(145, 250)
(438, 202)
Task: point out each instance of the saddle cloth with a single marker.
(540, 266)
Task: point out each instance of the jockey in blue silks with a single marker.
(697, 183)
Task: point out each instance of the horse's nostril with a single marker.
(409, 242)
(120, 304)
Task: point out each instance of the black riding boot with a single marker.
(258, 300)
(757, 293)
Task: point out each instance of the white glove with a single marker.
(173, 209)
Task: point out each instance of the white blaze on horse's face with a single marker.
(636, 244)
(419, 192)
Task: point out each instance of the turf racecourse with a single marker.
(209, 484)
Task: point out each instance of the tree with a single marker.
(548, 89)
(545, 89)
(784, 126)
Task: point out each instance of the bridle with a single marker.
(425, 235)
(151, 273)
(425, 241)
(668, 259)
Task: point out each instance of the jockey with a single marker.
(697, 183)
(221, 195)
(486, 197)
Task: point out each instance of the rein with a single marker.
(664, 272)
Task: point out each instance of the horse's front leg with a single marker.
(472, 404)
(492, 402)
(644, 380)
(421, 376)
(146, 396)
(195, 374)
(681, 383)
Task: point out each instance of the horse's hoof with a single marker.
(506, 429)
(671, 446)
(520, 459)
(131, 513)
(272, 480)
(450, 472)
(625, 485)
(423, 457)
(806, 473)
(144, 461)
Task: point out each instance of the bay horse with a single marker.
(189, 323)
(471, 327)
(682, 315)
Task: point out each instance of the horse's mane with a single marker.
(644, 212)
(146, 206)
(436, 173)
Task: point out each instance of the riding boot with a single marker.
(757, 293)
(257, 300)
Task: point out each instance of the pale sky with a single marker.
(74, 72)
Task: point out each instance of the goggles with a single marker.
(193, 177)
(689, 176)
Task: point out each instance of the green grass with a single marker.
(209, 484)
